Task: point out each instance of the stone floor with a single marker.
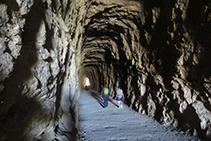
(113, 124)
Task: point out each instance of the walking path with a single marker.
(113, 124)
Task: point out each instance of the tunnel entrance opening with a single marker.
(86, 83)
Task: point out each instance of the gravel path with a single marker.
(113, 124)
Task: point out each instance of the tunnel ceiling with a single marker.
(157, 51)
(145, 35)
(111, 29)
(108, 27)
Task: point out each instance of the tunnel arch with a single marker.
(90, 72)
(157, 50)
(107, 35)
(140, 46)
(86, 82)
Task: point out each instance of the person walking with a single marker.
(120, 97)
(105, 93)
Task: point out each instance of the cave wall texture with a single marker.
(38, 69)
(158, 51)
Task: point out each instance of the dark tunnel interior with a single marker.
(157, 51)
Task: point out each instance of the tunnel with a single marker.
(157, 51)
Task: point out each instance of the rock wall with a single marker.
(38, 81)
(158, 51)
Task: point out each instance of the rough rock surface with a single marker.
(36, 58)
(158, 51)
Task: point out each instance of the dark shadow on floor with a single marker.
(98, 97)
(113, 102)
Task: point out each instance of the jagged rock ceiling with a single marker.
(112, 32)
(158, 51)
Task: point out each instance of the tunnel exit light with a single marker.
(87, 83)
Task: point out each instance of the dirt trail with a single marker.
(113, 124)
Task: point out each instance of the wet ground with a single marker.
(113, 124)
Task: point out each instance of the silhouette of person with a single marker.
(105, 93)
(120, 97)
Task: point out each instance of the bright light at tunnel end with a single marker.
(87, 83)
